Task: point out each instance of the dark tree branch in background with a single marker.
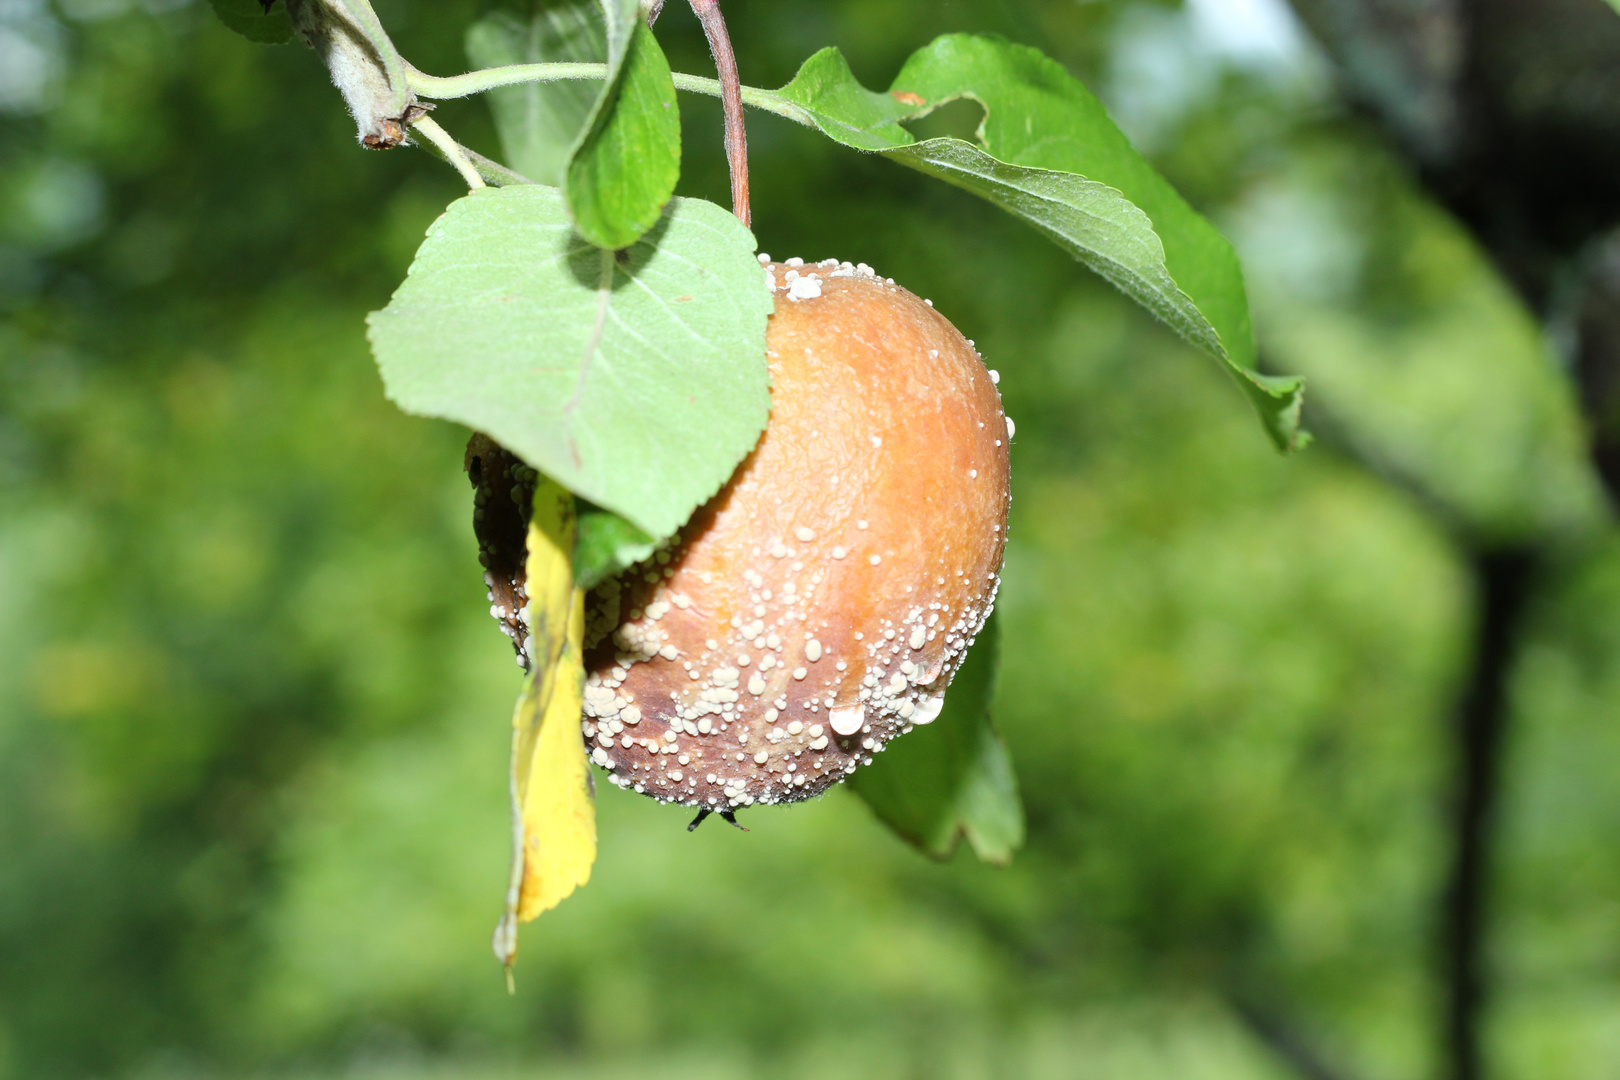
(1509, 112)
(1286, 1041)
(725, 61)
(1597, 355)
(1503, 578)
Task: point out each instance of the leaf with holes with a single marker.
(636, 379)
(1048, 153)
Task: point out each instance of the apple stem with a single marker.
(725, 61)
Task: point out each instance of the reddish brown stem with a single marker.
(725, 61)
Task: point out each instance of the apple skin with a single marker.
(819, 605)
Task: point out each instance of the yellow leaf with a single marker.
(553, 816)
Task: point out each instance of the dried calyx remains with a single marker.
(819, 605)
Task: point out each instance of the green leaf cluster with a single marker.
(641, 448)
(613, 335)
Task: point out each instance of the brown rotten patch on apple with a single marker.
(503, 498)
(820, 604)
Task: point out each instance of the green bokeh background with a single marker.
(253, 713)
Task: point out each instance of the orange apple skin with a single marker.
(819, 605)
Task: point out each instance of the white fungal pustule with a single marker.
(797, 624)
(847, 719)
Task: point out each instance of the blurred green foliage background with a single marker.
(253, 713)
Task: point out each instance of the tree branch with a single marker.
(1284, 1040)
(1504, 578)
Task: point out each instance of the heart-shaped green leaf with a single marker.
(635, 378)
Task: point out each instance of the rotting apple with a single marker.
(819, 605)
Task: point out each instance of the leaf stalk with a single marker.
(476, 82)
(731, 103)
(451, 149)
(446, 87)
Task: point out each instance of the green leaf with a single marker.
(953, 777)
(624, 167)
(605, 544)
(1092, 221)
(635, 379)
(539, 123)
(1050, 155)
(250, 19)
(844, 110)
